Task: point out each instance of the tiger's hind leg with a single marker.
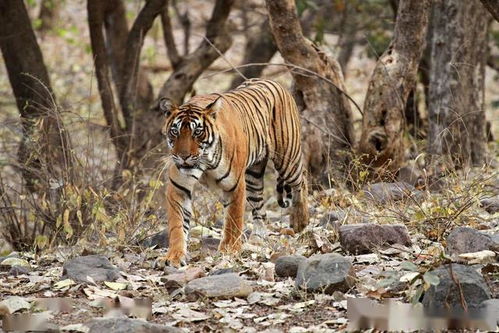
(292, 190)
(254, 196)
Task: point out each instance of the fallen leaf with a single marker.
(115, 285)
(14, 304)
(15, 262)
(63, 284)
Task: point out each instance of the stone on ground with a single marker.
(491, 205)
(364, 238)
(447, 294)
(491, 310)
(383, 193)
(98, 267)
(325, 273)
(178, 280)
(158, 240)
(125, 325)
(287, 266)
(219, 286)
(467, 240)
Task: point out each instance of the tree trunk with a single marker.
(325, 110)
(456, 111)
(493, 7)
(383, 125)
(43, 151)
(49, 14)
(260, 48)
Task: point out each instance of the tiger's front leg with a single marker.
(179, 212)
(234, 221)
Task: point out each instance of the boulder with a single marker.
(287, 266)
(364, 238)
(325, 273)
(98, 267)
(445, 298)
(383, 193)
(467, 240)
(178, 280)
(218, 286)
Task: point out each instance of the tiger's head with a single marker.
(191, 133)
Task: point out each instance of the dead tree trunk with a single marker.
(456, 111)
(381, 143)
(325, 110)
(43, 152)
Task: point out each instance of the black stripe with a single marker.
(228, 171)
(252, 199)
(183, 189)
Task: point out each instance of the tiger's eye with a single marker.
(198, 131)
(174, 131)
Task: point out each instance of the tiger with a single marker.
(228, 139)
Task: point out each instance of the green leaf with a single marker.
(431, 278)
(409, 266)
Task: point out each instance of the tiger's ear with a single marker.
(214, 107)
(166, 106)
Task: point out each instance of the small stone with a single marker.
(287, 266)
(222, 271)
(177, 280)
(491, 309)
(491, 205)
(19, 270)
(125, 325)
(410, 174)
(11, 255)
(438, 300)
(158, 240)
(210, 244)
(332, 218)
(467, 240)
(97, 267)
(364, 238)
(383, 193)
(14, 304)
(325, 273)
(219, 286)
(13, 261)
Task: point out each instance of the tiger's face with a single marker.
(190, 133)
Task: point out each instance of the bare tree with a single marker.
(325, 110)
(383, 125)
(44, 146)
(456, 111)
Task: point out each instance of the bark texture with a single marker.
(325, 110)
(44, 146)
(493, 7)
(456, 96)
(381, 143)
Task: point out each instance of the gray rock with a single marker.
(410, 174)
(332, 218)
(97, 267)
(491, 205)
(125, 325)
(466, 240)
(19, 270)
(325, 273)
(218, 286)
(364, 238)
(222, 271)
(444, 297)
(11, 255)
(210, 244)
(490, 309)
(383, 193)
(287, 266)
(158, 240)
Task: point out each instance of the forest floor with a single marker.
(273, 302)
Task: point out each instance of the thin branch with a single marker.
(493, 7)
(168, 37)
(299, 70)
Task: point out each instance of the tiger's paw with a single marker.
(229, 247)
(175, 258)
